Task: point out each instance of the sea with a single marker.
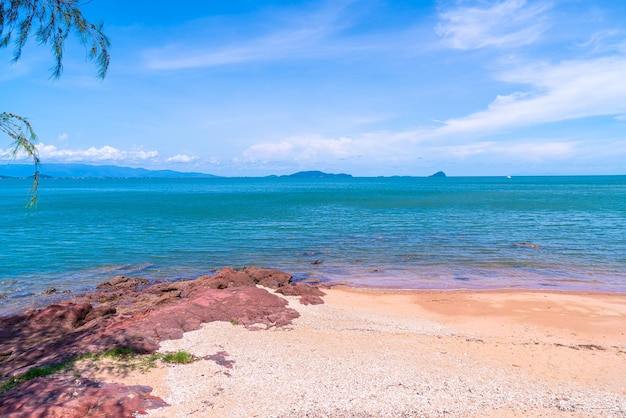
(557, 233)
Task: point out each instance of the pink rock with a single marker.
(128, 314)
(73, 398)
(309, 295)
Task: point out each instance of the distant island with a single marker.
(438, 174)
(317, 175)
(91, 171)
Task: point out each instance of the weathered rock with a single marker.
(249, 276)
(308, 295)
(122, 282)
(74, 398)
(273, 279)
(65, 315)
(129, 314)
(228, 278)
(50, 291)
(99, 312)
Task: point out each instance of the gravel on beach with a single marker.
(339, 361)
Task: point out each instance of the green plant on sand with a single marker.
(125, 356)
(180, 357)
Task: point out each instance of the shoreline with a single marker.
(386, 352)
(54, 296)
(390, 353)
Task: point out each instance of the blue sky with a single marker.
(367, 87)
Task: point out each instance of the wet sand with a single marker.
(408, 353)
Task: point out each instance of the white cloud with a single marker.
(63, 137)
(503, 24)
(107, 153)
(181, 158)
(93, 154)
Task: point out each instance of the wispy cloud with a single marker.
(271, 47)
(304, 36)
(501, 24)
(557, 92)
(604, 41)
(554, 93)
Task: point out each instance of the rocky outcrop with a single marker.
(74, 398)
(126, 312)
(309, 295)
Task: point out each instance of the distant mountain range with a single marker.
(113, 171)
(91, 171)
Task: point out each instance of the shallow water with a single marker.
(566, 233)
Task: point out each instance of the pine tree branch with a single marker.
(24, 142)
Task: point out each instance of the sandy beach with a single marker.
(383, 353)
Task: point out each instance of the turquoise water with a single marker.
(387, 232)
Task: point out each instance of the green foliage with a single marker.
(118, 353)
(180, 357)
(24, 140)
(42, 371)
(126, 356)
(234, 321)
(50, 22)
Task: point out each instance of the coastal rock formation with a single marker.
(308, 295)
(124, 312)
(74, 398)
(122, 282)
(246, 277)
